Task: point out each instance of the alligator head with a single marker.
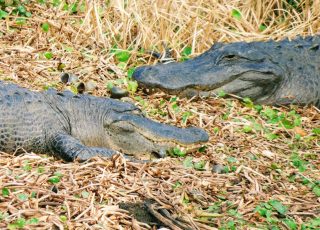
(267, 72)
(121, 126)
(134, 134)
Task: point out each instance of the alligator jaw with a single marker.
(139, 136)
(247, 80)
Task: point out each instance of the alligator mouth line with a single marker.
(212, 89)
(204, 87)
(163, 142)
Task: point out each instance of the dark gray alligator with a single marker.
(81, 126)
(279, 73)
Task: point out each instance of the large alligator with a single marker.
(279, 73)
(81, 126)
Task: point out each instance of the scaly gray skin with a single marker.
(279, 73)
(70, 126)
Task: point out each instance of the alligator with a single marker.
(70, 126)
(268, 72)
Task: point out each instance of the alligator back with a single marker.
(24, 119)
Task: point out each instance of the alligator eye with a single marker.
(229, 58)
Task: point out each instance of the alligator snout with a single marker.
(140, 76)
(138, 71)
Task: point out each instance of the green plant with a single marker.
(185, 54)
(5, 192)
(236, 14)
(274, 211)
(177, 152)
(55, 178)
(14, 8)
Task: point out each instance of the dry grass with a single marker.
(88, 194)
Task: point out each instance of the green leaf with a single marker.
(48, 55)
(33, 194)
(316, 131)
(216, 130)
(22, 196)
(231, 225)
(33, 221)
(202, 149)
(271, 136)
(177, 185)
(74, 8)
(232, 160)
(215, 208)
(247, 129)
(199, 165)
(278, 206)
(175, 107)
(21, 21)
(40, 169)
(3, 14)
(316, 190)
(262, 211)
(21, 9)
(186, 51)
(290, 224)
(122, 65)
(262, 27)
(185, 116)
(314, 223)
(248, 102)
(5, 192)
(56, 3)
(173, 99)
(63, 218)
(235, 213)
(130, 73)
(54, 180)
(270, 113)
(236, 14)
(298, 163)
(45, 27)
(19, 223)
(132, 86)
(109, 85)
(258, 108)
(123, 56)
(177, 152)
(221, 93)
(85, 194)
(69, 49)
(27, 166)
(187, 163)
(287, 124)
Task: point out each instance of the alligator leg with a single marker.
(70, 148)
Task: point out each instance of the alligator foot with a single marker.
(69, 149)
